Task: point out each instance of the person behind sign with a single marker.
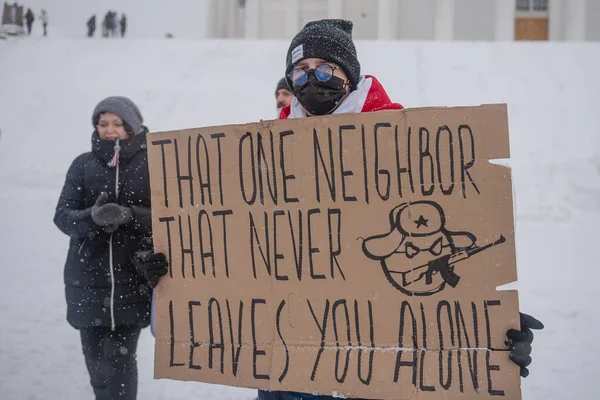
(104, 207)
(324, 73)
(283, 95)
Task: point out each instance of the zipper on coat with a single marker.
(113, 163)
(81, 246)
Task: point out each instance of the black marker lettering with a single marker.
(202, 215)
(367, 380)
(287, 354)
(253, 236)
(278, 256)
(444, 304)
(224, 213)
(489, 368)
(333, 254)
(193, 343)
(460, 322)
(399, 363)
(235, 354)
(440, 161)
(187, 177)
(242, 168)
(312, 250)
(218, 136)
(189, 250)
(323, 330)
(263, 159)
(381, 172)
(487, 319)
(465, 166)
(212, 344)
(344, 172)
(298, 253)
(286, 177)
(172, 362)
(162, 143)
(204, 185)
(341, 379)
(422, 385)
(168, 220)
(256, 352)
(365, 171)
(330, 176)
(423, 154)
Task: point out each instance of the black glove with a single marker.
(110, 215)
(519, 342)
(151, 266)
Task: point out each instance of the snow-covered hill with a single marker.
(185, 19)
(49, 86)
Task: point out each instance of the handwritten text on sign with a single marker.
(354, 254)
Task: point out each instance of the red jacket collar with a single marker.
(377, 100)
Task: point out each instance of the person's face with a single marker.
(284, 98)
(313, 63)
(110, 127)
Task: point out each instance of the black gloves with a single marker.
(151, 266)
(519, 342)
(110, 215)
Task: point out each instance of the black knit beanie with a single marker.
(329, 40)
(282, 84)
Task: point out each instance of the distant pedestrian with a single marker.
(91, 25)
(44, 18)
(112, 23)
(123, 24)
(29, 18)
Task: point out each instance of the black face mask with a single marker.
(320, 98)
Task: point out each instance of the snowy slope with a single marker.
(146, 19)
(49, 87)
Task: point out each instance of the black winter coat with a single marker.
(91, 287)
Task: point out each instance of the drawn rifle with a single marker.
(444, 265)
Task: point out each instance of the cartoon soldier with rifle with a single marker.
(419, 254)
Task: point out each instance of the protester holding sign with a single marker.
(324, 73)
(105, 209)
(259, 316)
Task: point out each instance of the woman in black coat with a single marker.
(105, 209)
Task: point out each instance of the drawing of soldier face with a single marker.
(417, 236)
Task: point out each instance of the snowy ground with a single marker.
(48, 88)
(186, 19)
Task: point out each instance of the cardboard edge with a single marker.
(271, 122)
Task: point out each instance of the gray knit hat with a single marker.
(124, 108)
(282, 84)
(329, 40)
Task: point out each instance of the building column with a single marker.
(292, 10)
(386, 19)
(232, 18)
(505, 20)
(335, 9)
(444, 19)
(252, 14)
(575, 20)
(556, 20)
(214, 20)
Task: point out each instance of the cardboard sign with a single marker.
(356, 255)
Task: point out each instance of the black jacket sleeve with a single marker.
(71, 216)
